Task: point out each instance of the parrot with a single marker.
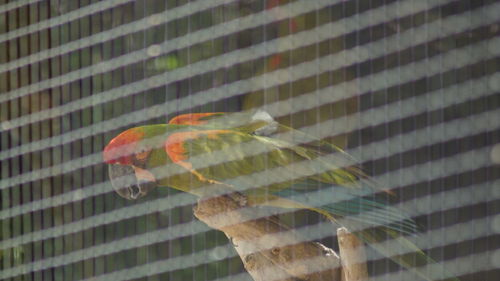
(271, 165)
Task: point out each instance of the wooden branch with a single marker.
(268, 250)
(353, 257)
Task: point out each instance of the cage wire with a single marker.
(409, 88)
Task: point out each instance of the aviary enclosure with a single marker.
(409, 89)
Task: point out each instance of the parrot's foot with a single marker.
(239, 198)
(232, 241)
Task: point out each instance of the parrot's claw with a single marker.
(239, 198)
(232, 242)
(243, 201)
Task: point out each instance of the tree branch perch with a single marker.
(268, 250)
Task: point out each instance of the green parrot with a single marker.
(270, 164)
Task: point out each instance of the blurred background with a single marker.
(410, 88)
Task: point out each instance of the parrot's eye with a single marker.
(140, 157)
(126, 184)
(142, 154)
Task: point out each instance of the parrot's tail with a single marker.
(401, 250)
(372, 220)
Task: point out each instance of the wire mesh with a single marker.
(409, 88)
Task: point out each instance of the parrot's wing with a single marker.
(272, 167)
(260, 123)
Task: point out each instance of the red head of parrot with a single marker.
(122, 148)
(126, 154)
